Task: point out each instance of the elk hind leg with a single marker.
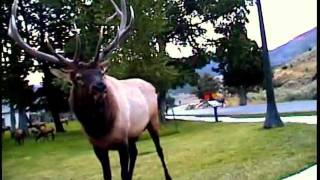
(124, 161)
(133, 152)
(154, 133)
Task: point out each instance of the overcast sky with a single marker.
(284, 20)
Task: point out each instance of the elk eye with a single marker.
(79, 79)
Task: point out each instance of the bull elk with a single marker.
(112, 112)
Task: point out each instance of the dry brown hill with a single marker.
(299, 72)
(295, 80)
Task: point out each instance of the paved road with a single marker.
(293, 106)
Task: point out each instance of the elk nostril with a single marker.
(99, 86)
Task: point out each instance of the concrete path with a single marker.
(308, 174)
(294, 119)
(293, 106)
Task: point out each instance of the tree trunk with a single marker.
(23, 119)
(162, 106)
(12, 118)
(50, 93)
(57, 122)
(243, 96)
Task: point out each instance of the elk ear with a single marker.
(61, 74)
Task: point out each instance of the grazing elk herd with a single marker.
(37, 131)
(112, 112)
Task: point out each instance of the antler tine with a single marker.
(78, 45)
(108, 19)
(111, 17)
(129, 26)
(124, 14)
(118, 11)
(61, 58)
(14, 34)
(96, 56)
(76, 55)
(123, 29)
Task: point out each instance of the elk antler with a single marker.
(78, 45)
(14, 34)
(96, 58)
(123, 29)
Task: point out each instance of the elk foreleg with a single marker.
(124, 161)
(103, 157)
(52, 136)
(38, 136)
(155, 137)
(133, 152)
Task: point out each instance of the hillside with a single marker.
(295, 80)
(293, 48)
(299, 72)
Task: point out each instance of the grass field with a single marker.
(193, 150)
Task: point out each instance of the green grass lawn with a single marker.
(193, 150)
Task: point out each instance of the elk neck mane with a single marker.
(97, 119)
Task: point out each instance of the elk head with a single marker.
(87, 78)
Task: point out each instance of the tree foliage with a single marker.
(208, 83)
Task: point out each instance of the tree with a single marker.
(207, 83)
(239, 58)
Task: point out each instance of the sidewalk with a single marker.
(283, 107)
(293, 119)
(308, 174)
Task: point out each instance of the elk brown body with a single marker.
(126, 108)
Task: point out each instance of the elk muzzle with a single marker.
(99, 87)
(99, 90)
